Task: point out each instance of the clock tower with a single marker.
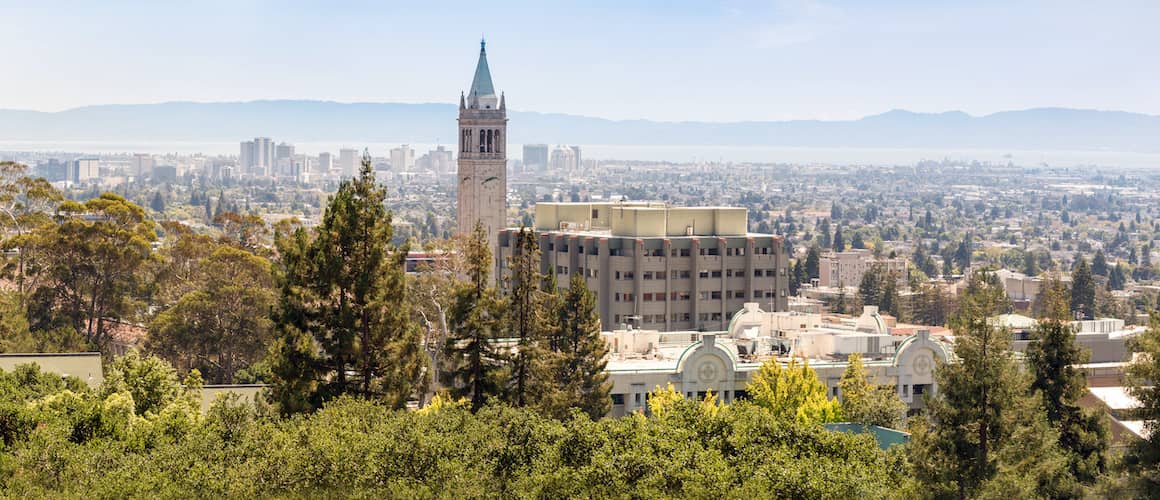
(482, 179)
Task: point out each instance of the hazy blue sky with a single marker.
(665, 60)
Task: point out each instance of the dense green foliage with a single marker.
(689, 449)
(793, 393)
(879, 287)
(867, 403)
(223, 324)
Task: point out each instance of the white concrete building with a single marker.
(725, 361)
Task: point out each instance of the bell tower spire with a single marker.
(482, 165)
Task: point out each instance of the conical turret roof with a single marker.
(481, 86)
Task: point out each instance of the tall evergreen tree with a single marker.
(1118, 277)
(985, 432)
(1145, 272)
(824, 233)
(813, 262)
(870, 288)
(526, 315)
(930, 305)
(798, 277)
(582, 356)
(475, 320)
(1030, 265)
(1052, 357)
(857, 241)
(1083, 289)
(1100, 264)
(157, 203)
(343, 320)
(962, 255)
(839, 240)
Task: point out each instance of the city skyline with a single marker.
(728, 61)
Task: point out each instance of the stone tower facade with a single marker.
(482, 179)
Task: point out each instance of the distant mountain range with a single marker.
(318, 121)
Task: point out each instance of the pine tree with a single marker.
(1030, 265)
(582, 356)
(930, 306)
(343, 320)
(157, 203)
(526, 314)
(824, 233)
(813, 262)
(1099, 264)
(857, 241)
(798, 277)
(962, 256)
(1118, 277)
(1083, 289)
(839, 241)
(870, 288)
(222, 205)
(1145, 271)
(475, 320)
(983, 425)
(1052, 358)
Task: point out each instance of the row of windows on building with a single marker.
(640, 398)
(675, 317)
(659, 252)
(681, 296)
(674, 274)
(684, 274)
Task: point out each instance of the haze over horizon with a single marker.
(671, 61)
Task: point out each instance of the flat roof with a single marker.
(1116, 398)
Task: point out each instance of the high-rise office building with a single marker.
(482, 172)
(325, 163)
(535, 156)
(86, 169)
(284, 160)
(440, 159)
(142, 165)
(579, 158)
(348, 162)
(564, 160)
(257, 157)
(402, 158)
